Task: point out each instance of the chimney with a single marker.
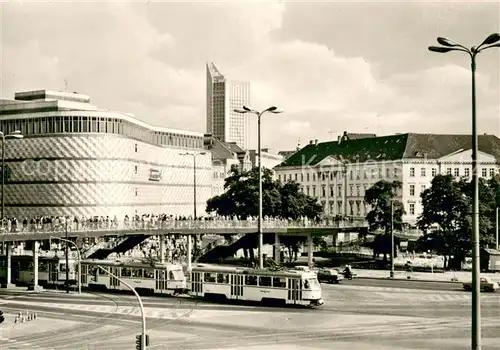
(310, 142)
(315, 142)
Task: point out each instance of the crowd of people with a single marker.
(147, 221)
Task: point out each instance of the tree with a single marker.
(446, 218)
(380, 197)
(241, 197)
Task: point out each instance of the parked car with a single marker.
(487, 285)
(329, 275)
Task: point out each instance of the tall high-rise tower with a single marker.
(223, 97)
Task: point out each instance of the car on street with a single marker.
(329, 276)
(487, 285)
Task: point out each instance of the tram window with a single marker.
(279, 282)
(93, 270)
(171, 276)
(126, 272)
(222, 278)
(62, 267)
(137, 273)
(209, 277)
(265, 281)
(148, 273)
(251, 280)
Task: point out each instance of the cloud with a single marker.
(149, 59)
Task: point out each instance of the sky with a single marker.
(332, 66)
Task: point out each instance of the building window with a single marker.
(422, 172)
(456, 172)
(373, 174)
(357, 190)
(351, 190)
(388, 173)
(467, 172)
(434, 172)
(314, 177)
(350, 175)
(422, 188)
(396, 173)
(323, 176)
(412, 208)
(484, 172)
(412, 190)
(351, 211)
(365, 174)
(323, 191)
(331, 176)
(296, 177)
(339, 188)
(135, 169)
(307, 190)
(135, 146)
(492, 172)
(331, 191)
(307, 177)
(136, 191)
(301, 177)
(448, 171)
(412, 172)
(314, 191)
(357, 174)
(358, 208)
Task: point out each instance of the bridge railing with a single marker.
(158, 225)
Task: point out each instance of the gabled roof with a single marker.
(233, 147)
(390, 148)
(359, 150)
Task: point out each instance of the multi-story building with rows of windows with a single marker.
(76, 159)
(338, 173)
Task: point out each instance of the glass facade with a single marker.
(90, 124)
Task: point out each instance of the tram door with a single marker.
(84, 274)
(196, 284)
(160, 281)
(236, 286)
(294, 290)
(114, 283)
(53, 272)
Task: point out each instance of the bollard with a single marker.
(34, 316)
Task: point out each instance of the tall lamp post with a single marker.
(13, 135)
(67, 241)
(244, 110)
(447, 46)
(194, 154)
(392, 239)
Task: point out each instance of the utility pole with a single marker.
(392, 239)
(67, 255)
(496, 230)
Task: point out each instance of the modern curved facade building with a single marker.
(78, 160)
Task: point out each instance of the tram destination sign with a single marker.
(154, 175)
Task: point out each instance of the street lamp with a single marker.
(447, 46)
(275, 110)
(67, 266)
(392, 239)
(13, 135)
(194, 154)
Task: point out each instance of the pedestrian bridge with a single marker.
(184, 227)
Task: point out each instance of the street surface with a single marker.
(358, 314)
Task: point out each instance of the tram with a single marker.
(154, 278)
(236, 283)
(51, 270)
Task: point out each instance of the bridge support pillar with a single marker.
(162, 248)
(309, 250)
(277, 250)
(8, 256)
(36, 246)
(189, 254)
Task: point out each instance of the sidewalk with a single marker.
(449, 276)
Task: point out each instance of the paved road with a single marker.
(354, 317)
(407, 284)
